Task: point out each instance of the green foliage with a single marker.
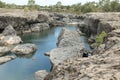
(59, 4)
(31, 4)
(100, 38)
(2, 4)
(26, 9)
(101, 6)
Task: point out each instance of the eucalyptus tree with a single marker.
(58, 6)
(31, 4)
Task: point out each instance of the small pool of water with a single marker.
(23, 68)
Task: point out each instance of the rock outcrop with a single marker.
(4, 50)
(103, 65)
(5, 59)
(58, 55)
(98, 67)
(9, 30)
(10, 40)
(68, 38)
(105, 62)
(95, 23)
(24, 49)
(39, 27)
(39, 75)
(69, 45)
(9, 36)
(22, 21)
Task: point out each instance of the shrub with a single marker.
(100, 38)
(26, 9)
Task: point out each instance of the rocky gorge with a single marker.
(69, 62)
(103, 64)
(14, 22)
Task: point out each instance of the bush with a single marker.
(26, 9)
(100, 38)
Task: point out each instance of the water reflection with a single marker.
(25, 56)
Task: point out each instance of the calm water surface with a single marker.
(23, 68)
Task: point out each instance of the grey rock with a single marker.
(60, 15)
(24, 49)
(68, 38)
(69, 45)
(56, 23)
(95, 23)
(40, 75)
(5, 59)
(42, 18)
(58, 55)
(39, 27)
(10, 40)
(4, 50)
(112, 38)
(9, 30)
(97, 67)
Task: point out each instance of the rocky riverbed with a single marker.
(13, 22)
(10, 42)
(67, 58)
(104, 64)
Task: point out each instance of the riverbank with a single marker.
(105, 62)
(32, 21)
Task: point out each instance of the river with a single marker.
(24, 67)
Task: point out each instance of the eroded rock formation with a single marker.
(105, 63)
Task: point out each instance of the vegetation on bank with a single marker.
(101, 6)
(100, 38)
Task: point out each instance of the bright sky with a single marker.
(48, 2)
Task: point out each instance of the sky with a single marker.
(48, 2)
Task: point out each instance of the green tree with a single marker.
(31, 4)
(2, 4)
(115, 6)
(105, 5)
(89, 7)
(77, 8)
(58, 6)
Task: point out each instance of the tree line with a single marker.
(101, 6)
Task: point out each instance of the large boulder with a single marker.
(40, 75)
(68, 38)
(10, 40)
(58, 55)
(9, 30)
(5, 59)
(24, 49)
(69, 45)
(4, 50)
(39, 27)
(60, 15)
(42, 18)
(56, 23)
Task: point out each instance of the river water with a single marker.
(24, 67)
